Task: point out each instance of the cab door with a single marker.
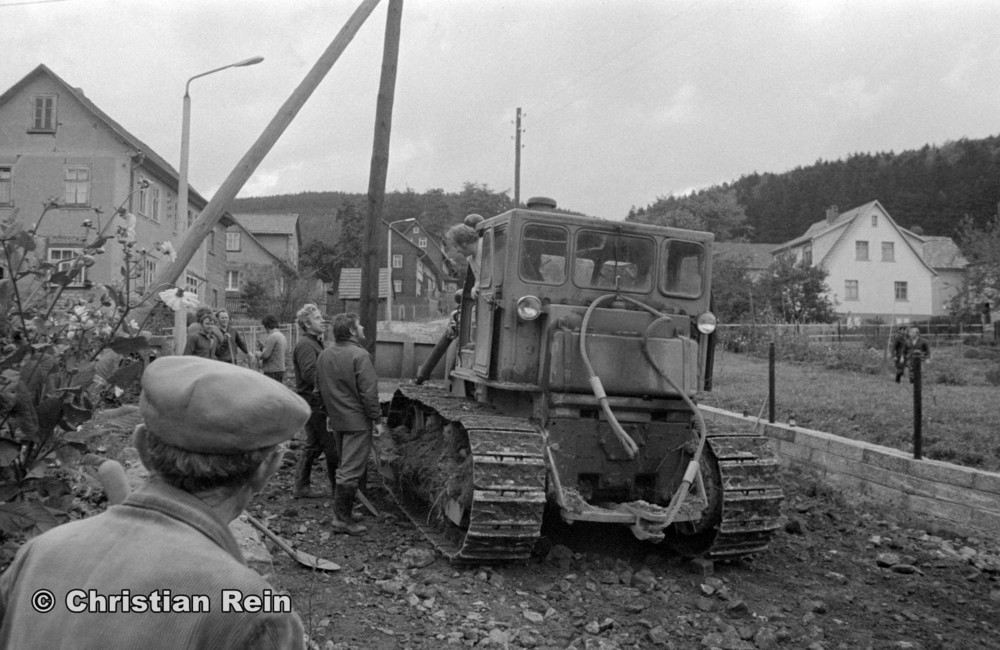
(491, 272)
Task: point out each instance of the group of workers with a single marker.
(162, 569)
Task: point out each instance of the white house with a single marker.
(877, 269)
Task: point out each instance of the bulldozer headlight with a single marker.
(706, 322)
(528, 307)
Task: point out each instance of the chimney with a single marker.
(831, 214)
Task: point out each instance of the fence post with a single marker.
(918, 407)
(770, 382)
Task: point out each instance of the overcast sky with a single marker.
(623, 101)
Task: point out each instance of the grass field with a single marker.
(961, 423)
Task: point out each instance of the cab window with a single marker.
(486, 262)
(500, 254)
(543, 254)
(605, 260)
(682, 272)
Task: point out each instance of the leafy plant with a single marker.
(63, 342)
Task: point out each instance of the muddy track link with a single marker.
(751, 494)
(508, 475)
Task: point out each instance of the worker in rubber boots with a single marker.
(319, 441)
(346, 380)
(162, 569)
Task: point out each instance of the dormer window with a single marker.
(43, 118)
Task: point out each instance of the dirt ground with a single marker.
(839, 575)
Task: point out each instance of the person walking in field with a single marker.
(916, 345)
(899, 352)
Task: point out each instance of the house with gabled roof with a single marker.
(419, 277)
(55, 143)
(876, 269)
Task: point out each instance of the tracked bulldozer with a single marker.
(570, 388)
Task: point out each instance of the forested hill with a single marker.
(932, 187)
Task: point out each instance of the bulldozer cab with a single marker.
(540, 271)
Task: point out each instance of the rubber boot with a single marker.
(343, 502)
(303, 473)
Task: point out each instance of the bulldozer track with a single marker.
(508, 475)
(751, 495)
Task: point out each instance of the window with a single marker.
(279, 283)
(148, 272)
(191, 216)
(418, 289)
(416, 230)
(232, 280)
(544, 250)
(888, 251)
(874, 221)
(397, 286)
(486, 259)
(683, 268)
(192, 282)
(63, 259)
(44, 113)
(901, 292)
(422, 242)
(397, 261)
(850, 290)
(6, 185)
(76, 185)
(211, 242)
(606, 260)
(232, 241)
(149, 199)
(215, 297)
(807, 254)
(861, 251)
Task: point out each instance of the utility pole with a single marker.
(377, 178)
(517, 160)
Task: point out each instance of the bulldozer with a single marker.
(570, 387)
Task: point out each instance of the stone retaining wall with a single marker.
(967, 499)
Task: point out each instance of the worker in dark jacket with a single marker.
(319, 440)
(346, 380)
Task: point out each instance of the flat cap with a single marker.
(213, 407)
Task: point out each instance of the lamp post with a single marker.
(180, 333)
(388, 264)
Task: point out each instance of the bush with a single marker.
(993, 376)
(864, 360)
(948, 371)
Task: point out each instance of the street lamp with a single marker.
(388, 264)
(180, 333)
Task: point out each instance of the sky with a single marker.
(623, 101)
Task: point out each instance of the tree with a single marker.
(319, 259)
(478, 198)
(715, 210)
(732, 289)
(981, 247)
(797, 292)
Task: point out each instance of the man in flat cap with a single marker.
(346, 380)
(162, 570)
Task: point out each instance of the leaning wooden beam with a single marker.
(377, 176)
(248, 164)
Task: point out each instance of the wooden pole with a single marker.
(251, 160)
(377, 177)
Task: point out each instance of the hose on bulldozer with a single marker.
(691, 474)
(595, 383)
